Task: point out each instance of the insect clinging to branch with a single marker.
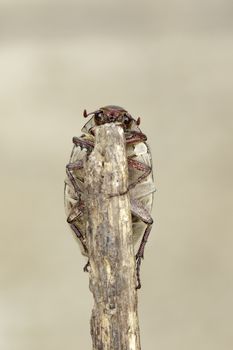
(141, 183)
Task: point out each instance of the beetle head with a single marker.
(111, 114)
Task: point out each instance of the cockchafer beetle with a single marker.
(141, 183)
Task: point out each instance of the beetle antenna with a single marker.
(85, 114)
(138, 121)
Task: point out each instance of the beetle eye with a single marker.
(127, 120)
(99, 118)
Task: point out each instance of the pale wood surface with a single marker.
(114, 322)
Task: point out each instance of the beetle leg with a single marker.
(75, 212)
(79, 141)
(80, 237)
(140, 253)
(74, 166)
(138, 210)
(88, 145)
(135, 164)
(135, 137)
(131, 138)
(83, 242)
(85, 269)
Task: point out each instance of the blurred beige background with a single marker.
(170, 62)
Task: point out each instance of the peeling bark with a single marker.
(114, 321)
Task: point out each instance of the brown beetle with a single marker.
(141, 183)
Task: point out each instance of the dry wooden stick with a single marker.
(114, 322)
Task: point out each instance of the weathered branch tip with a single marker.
(114, 322)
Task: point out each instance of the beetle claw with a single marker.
(86, 267)
(138, 264)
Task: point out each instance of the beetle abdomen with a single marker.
(142, 191)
